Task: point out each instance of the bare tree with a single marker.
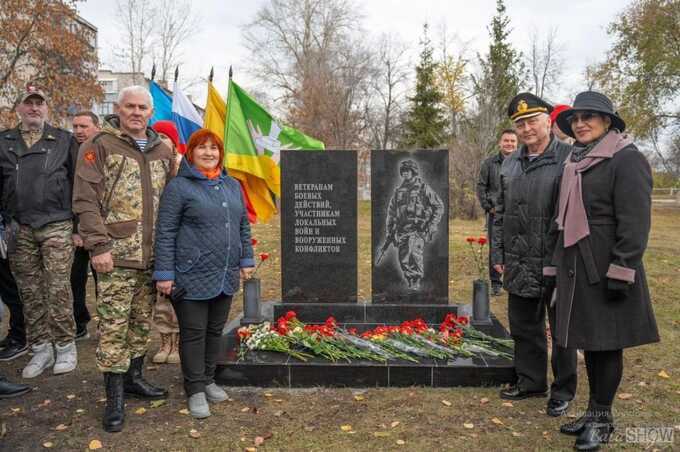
(388, 86)
(307, 52)
(176, 22)
(545, 61)
(137, 20)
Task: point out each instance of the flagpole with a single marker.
(226, 117)
(153, 71)
(212, 73)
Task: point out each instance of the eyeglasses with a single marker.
(583, 117)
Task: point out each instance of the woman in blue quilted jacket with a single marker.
(203, 249)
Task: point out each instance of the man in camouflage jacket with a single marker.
(120, 175)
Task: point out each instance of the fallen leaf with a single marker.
(642, 383)
(151, 367)
(469, 425)
(16, 410)
(157, 403)
(45, 402)
(71, 396)
(102, 400)
(381, 434)
(48, 444)
(278, 413)
(401, 442)
(664, 375)
(309, 428)
(508, 404)
(251, 449)
(624, 396)
(184, 411)
(95, 444)
(245, 409)
(268, 394)
(359, 398)
(258, 441)
(346, 428)
(194, 433)
(140, 410)
(446, 402)
(483, 400)
(80, 411)
(394, 424)
(3, 429)
(516, 434)
(497, 421)
(61, 427)
(278, 400)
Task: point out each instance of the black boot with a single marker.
(575, 427)
(114, 413)
(596, 431)
(137, 386)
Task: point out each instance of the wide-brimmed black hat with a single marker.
(590, 101)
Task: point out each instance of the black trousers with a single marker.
(605, 369)
(10, 296)
(81, 263)
(200, 331)
(494, 276)
(527, 328)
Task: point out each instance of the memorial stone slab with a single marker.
(410, 228)
(319, 226)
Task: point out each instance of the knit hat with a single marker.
(168, 129)
(557, 109)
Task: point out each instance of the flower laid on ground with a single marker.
(412, 340)
(253, 242)
(478, 254)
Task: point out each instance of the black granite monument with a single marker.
(410, 227)
(319, 226)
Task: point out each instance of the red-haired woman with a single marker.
(203, 248)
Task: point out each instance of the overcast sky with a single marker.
(217, 42)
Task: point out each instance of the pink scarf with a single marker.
(571, 217)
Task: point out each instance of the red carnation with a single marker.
(471, 240)
(482, 240)
(264, 256)
(253, 242)
(290, 315)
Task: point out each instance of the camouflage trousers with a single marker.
(124, 309)
(164, 318)
(411, 247)
(41, 264)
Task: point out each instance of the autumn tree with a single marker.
(642, 68)
(175, 23)
(44, 42)
(425, 125)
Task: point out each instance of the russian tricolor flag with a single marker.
(185, 117)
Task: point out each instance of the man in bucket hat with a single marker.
(523, 242)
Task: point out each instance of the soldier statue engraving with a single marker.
(413, 217)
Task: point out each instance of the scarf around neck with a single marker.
(572, 217)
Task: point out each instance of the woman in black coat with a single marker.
(604, 216)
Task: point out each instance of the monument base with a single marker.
(277, 369)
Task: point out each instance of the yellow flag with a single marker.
(255, 187)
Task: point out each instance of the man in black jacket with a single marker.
(37, 164)
(523, 243)
(487, 190)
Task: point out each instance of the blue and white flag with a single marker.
(162, 104)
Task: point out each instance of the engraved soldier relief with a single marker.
(413, 216)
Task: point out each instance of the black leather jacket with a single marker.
(523, 236)
(489, 177)
(37, 183)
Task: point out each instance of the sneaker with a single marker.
(67, 358)
(198, 406)
(81, 332)
(13, 350)
(215, 393)
(43, 358)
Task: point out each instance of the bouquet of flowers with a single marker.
(411, 341)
